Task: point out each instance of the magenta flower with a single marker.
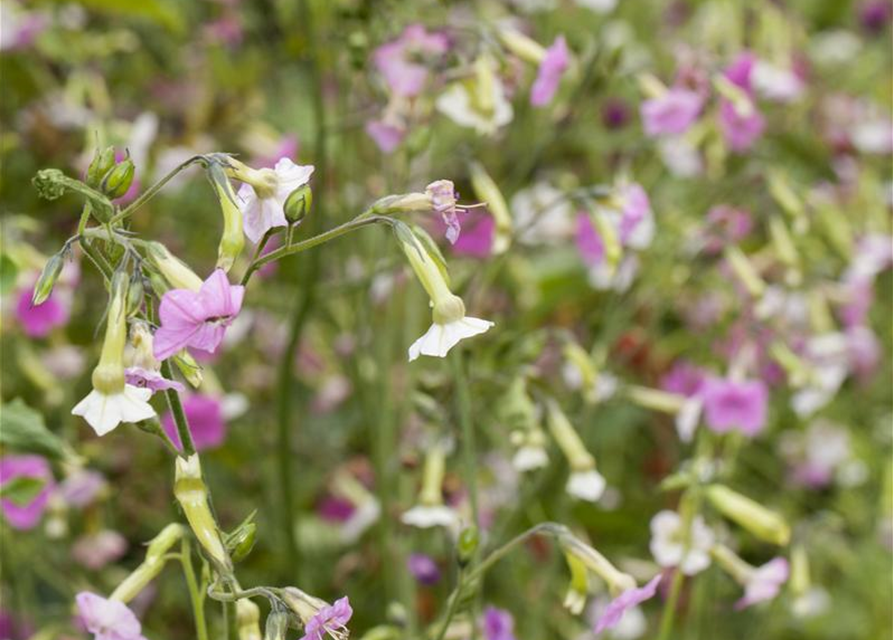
(684, 379)
(205, 417)
(37, 321)
(672, 113)
(589, 242)
(423, 568)
(626, 600)
(139, 377)
(25, 516)
(548, 77)
(108, 619)
(730, 404)
(874, 15)
(726, 225)
(741, 126)
(764, 582)
(197, 319)
(398, 60)
(479, 232)
(21, 27)
(740, 70)
(330, 620)
(498, 624)
(386, 136)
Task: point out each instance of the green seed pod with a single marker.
(47, 280)
(467, 544)
(135, 294)
(103, 161)
(298, 204)
(118, 179)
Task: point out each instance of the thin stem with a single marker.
(666, 623)
(150, 193)
(309, 243)
(173, 401)
(469, 448)
(196, 597)
(451, 607)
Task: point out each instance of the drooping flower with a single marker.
(672, 546)
(584, 482)
(206, 424)
(498, 624)
(671, 113)
(763, 583)
(25, 516)
(108, 619)
(113, 401)
(399, 63)
(731, 404)
(430, 510)
(263, 194)
(330, 620)
(627, 600)
(423, 568)
(197, 319)
(551, 69)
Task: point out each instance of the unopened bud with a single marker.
(247, 619)
(102, 163)
(277, 625)
(135, 294)
(467, 545)
(192, 494)
(527, 49)
(47, 279)
(118, 180)
(190, 368)
(50, 183)
(172, 268)
(752, 516)
(233, 239)
(149, 569)
(745, 271)
(298, 204)
(486, 189)
(241, 542)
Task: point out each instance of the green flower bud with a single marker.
(135, 294)
(103, 161)
(752, 516)
(277, 625)
(190, 369)
(240, 542)
(118, 180)
(50, 183)
(298, 204)
(467, 544)
(47, 279)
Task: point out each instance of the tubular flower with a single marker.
(672, 546)
(584, 483)
(197, 319)
(112, 400)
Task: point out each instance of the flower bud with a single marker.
(655, 399)
(233, 239)
(118, 180)
(568, 439)
(298, 204)
(189, 368)
(173, 269)
(149, 569)
(102, 163)
(108, 376)
(467, 545)
(277, 625)
(752, 516)
(240, 543)
(192, 494)
(527, 49)
(50, 183)
(578, 589)
(135, 294)
(745, 271)
(47, 279)
(617, 581)
(247, 620)
(486, 189)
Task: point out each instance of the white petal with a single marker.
(426, 517)
(586, 485)
(528, 458)
(99, 412)
(439, 339)
(694, 562)
(687, 419)
(133, 404)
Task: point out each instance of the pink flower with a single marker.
(626, 600)
(729, 404)
(19, 28)
(108, 619)
(498, 624)
(37, 321)
(443, 201)
(423, 568)
(741, 128)
(548, 77)
(330, 620)
(672, 113)
(589, 242)
(740, 70)
(725, 225)
(25, 516)
(82, 487)
(684, 379)
(637, 219)
(197, 319)
(764, 583)
(479, 231)
(205, 417)
(286, 147)
(96, 550)
(265, 211)
(398, 62)
(387, 136)
(139, 377)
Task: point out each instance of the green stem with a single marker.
(173, 401)
(196, 597)
(150, 193)
(666, 623)
(469, 448)
(451, 607)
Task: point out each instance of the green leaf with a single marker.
(21, 490)
(23, 428)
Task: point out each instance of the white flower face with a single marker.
(586, 485)
(668, 543)
(425, 517)
(458, 105)
(105, 412)
(440, 338)
(262, 214)
(529, 457)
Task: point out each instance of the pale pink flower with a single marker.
(764, 582)
(671, 113)
(96, 550)
(386, 136)
(551, 69)
(626, 600)
(330, 620)
(731, 404)
(108, 619)
(398, 60)
(267, 211)
(140, 377)
(197, 319)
